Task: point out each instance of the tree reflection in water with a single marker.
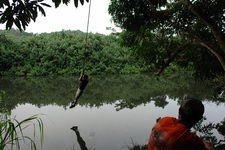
(125, 91)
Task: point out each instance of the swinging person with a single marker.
(83, 83)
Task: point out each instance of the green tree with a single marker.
(189, 32)
(8, 58)
(22, 12)
(63, 53)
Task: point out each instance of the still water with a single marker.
(115, 112)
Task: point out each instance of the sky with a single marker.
(72, 18)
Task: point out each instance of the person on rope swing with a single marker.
(83, 83)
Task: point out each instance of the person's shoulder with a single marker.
(167, 118)
(167, 121)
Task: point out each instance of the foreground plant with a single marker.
(12, 131)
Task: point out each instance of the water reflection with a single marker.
(132, 90)
(79, 138)
(111, 105)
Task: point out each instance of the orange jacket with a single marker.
(168, 134)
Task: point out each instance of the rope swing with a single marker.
(87, 32)
(83, 77)
(89, 12)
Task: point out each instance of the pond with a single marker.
(115, 112)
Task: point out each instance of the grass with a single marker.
(12, 130)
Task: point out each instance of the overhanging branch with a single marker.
(217, 33)
(184, 46)
(215, 52)
(177, 52)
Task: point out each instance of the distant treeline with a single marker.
(64, 53)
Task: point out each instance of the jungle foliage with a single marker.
(63, 53)
(187, 32)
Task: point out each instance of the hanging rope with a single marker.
(86, 40)
(89, 12)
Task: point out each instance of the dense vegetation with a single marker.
(63, 53)
(188, 32)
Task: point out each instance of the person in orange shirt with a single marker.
(170, 133)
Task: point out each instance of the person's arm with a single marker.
(81, 74)
(208, 146)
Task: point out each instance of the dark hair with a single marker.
(85, 77)
(192, 110)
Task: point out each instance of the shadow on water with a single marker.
(125, 91)
(79, 138)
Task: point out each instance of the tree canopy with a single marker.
(187, 32)
(63, 53)
(22, 12)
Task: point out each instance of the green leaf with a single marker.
(82, 2)
(17, 22)
(76, 3)
(9, 23)
(66, 2)
(24, 24)
(47, 5)
(41, 10)
(57, 3)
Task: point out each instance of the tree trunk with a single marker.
(181, 48)
(218, 56)
(217, 32)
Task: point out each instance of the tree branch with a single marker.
(219, 36)
(215, 52)
(170, 59)
(184, 46)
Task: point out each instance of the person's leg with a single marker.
(78, 94)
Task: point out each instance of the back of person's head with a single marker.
(85, 77)
(191, 110)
